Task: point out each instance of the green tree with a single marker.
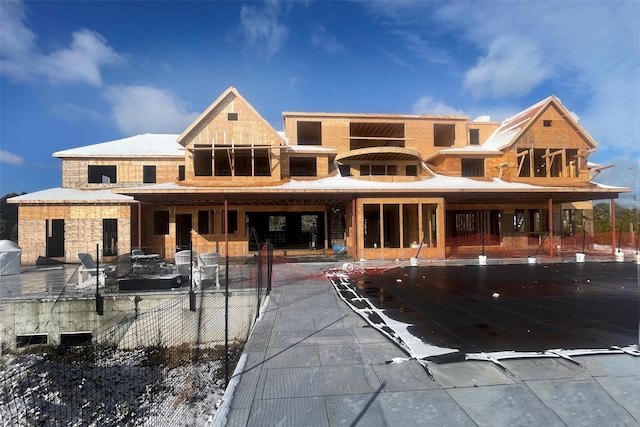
(8, 218)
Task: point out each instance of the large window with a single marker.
(371, 226)
(473, 167)
(539, 162)
(161, 222)
(444, 135)
(222, 163)
(242, 163)
(261, 162)
(524, 162)
(391, 220)
(303, 166)
(202, 158)
(371, 134)
(309, 133)
(102, 174)
(148, 174)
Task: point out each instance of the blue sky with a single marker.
(77, 73)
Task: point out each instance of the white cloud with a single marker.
(428, 106)
(293, 84)
(75, 113)
(145, 109)
(396, 60)
(423, 48)
(586, 51)
(513, 66)
(15, 37)
(21, 60)
(262, 30)
(329, 43)
(12, 159)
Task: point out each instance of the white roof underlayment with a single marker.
(438, 182)
(147, 145)
(60, 194)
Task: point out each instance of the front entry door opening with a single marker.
(183, 231)
(288, 230)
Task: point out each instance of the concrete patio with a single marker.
(312, 361)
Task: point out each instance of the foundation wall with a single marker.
(130, 321)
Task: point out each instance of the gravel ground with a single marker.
(152, 387)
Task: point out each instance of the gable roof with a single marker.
(514, 127)
(146, 145)
(231, 91)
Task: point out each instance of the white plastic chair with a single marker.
(208, 264)
(183, 260)
(88, 265)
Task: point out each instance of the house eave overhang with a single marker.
(379, 154)
(288, 195)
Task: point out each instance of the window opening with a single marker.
(309, 133)
(473, 167)
(205, 222)
(160, 222)
(232, 116)
(571, 158)
(540, 162)
(181, 173)
(109, 237)
(202, 159)
(262, 164)
(444, 135)
(474, 136)
(345, 170)
(24, 340)
(391, 220)
(371, 226)
(518, 220)
(524, 162)
(222, 163)
(242, 163)
(410, 226)
(546, 123)
(102, 174)
(372, 134)
(76, 338)
(148, 174)
(302, 166)
(233, 221)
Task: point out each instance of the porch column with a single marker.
(441, 235)
(139, 224)
(552, 245)
(327, 212)
(354, 229)
(612, 204)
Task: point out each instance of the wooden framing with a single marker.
(395, 165)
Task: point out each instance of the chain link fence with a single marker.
(167, 365)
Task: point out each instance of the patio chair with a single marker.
(88, 266)
(208, 265)
(183, 260)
